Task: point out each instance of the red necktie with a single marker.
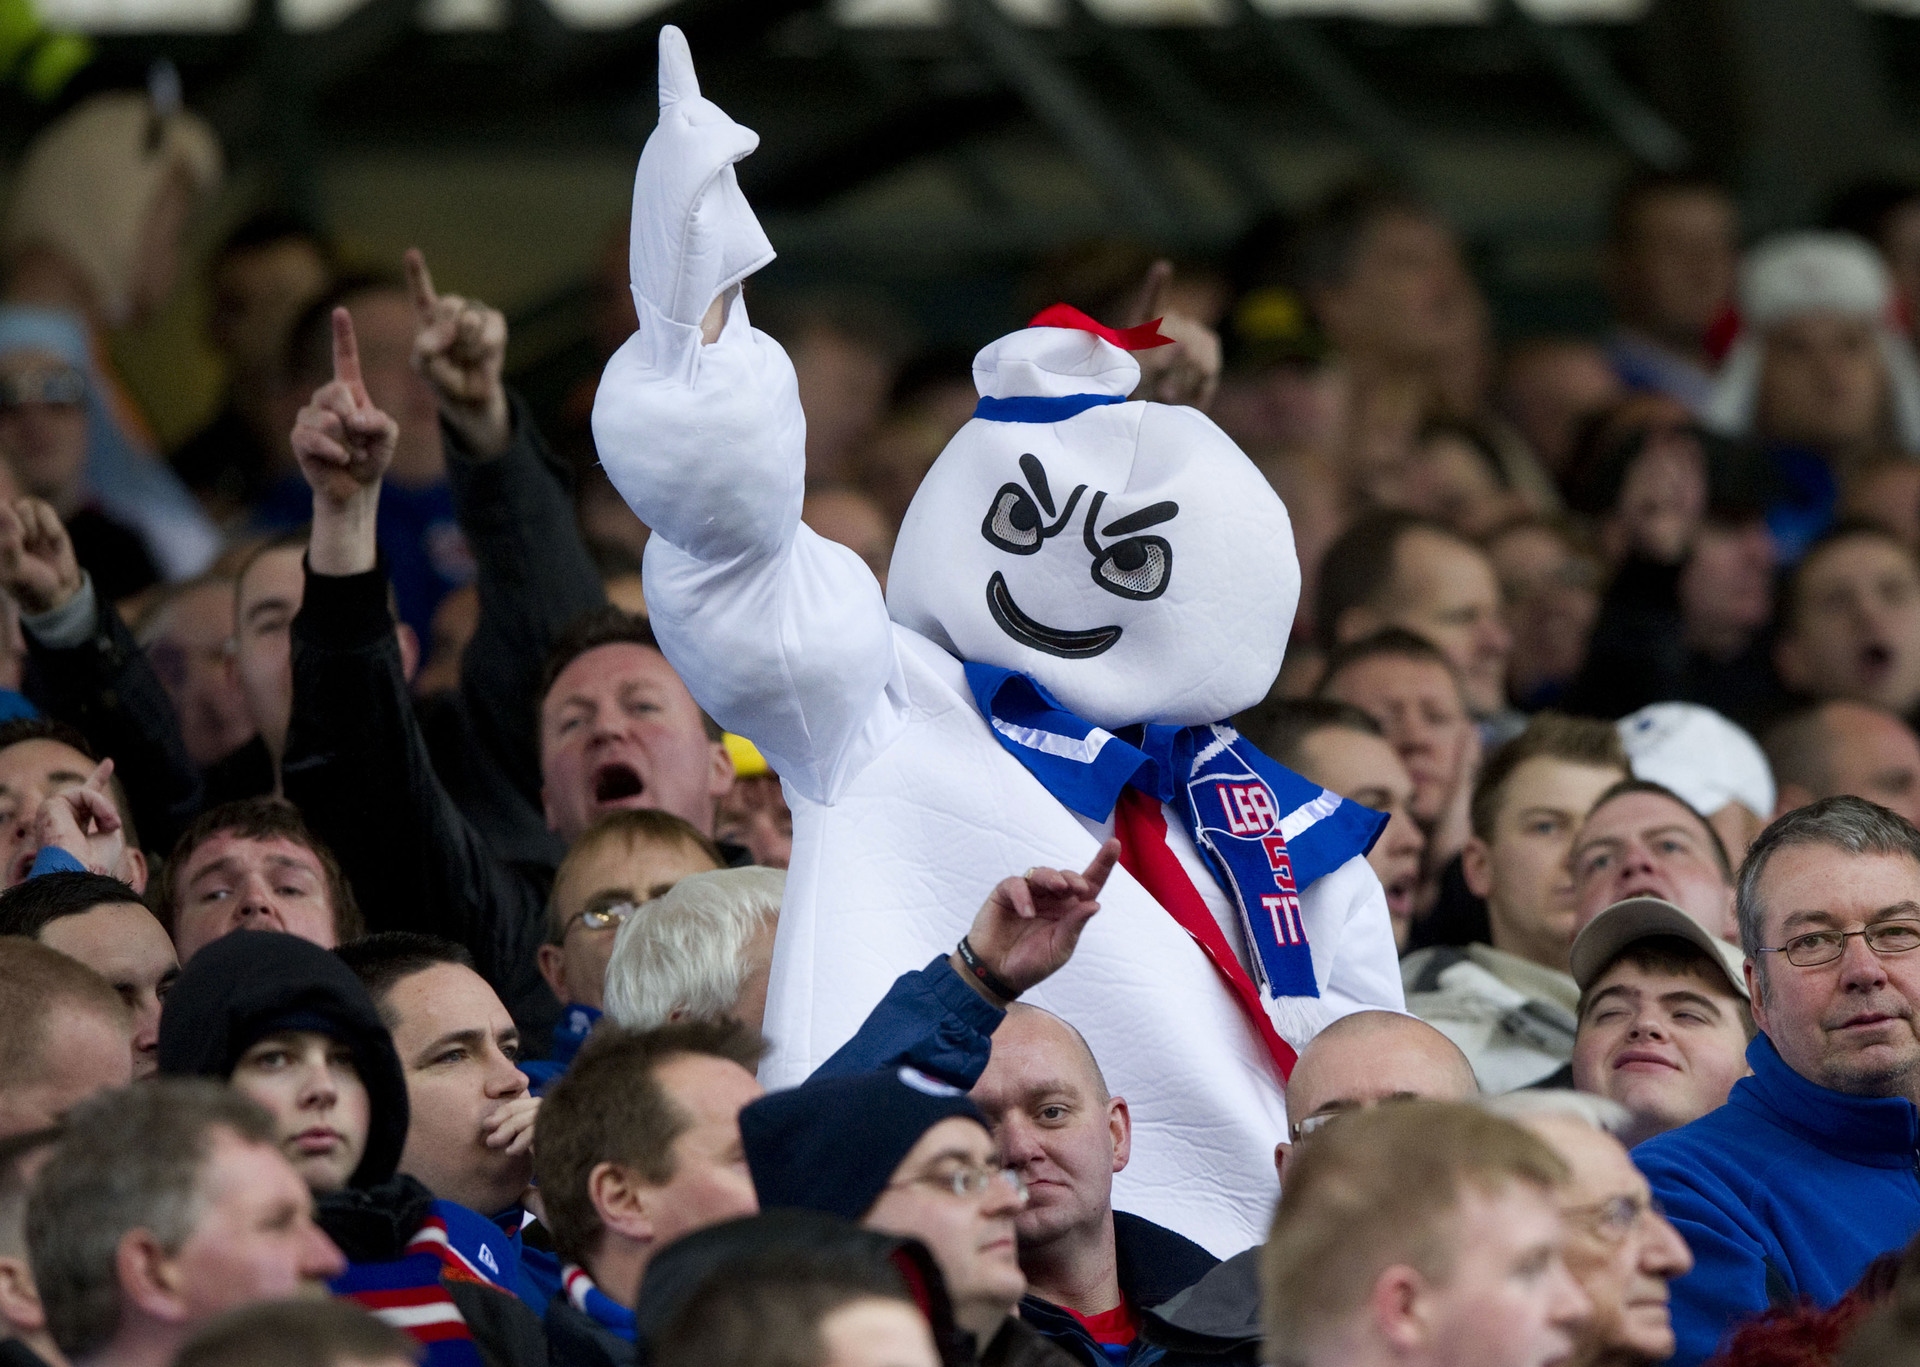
(1142, 829)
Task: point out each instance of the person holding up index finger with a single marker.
(476, 869)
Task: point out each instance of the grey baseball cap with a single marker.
(1640, 918)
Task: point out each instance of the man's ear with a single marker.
(1757, 999)
(1476, 866)
(409, 640)
(134, 861)
(620, 1200)
(720, 775)
(552, 960)
(1397, 1305)
(1281, 1153)
(20, 1310)
(149, 1280)
(1120, 1126)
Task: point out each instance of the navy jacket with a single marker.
(1786, 1192)
(1153, 1265)
(929, 1018)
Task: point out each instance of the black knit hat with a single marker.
(832, 1144)
(253, 983)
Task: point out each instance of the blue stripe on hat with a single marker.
(1037, 408)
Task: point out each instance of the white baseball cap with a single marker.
(1700, 755)
(1640, 918)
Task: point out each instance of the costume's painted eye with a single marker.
(1013, 522)
(1138, 567)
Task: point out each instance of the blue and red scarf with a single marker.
(409, 1292)
(596, 1304)
(1265, 832)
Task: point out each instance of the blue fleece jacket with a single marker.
(1786, 1192)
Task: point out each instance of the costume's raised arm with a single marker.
(780, 635)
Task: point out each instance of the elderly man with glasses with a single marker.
(1620, 1245)
(1809, 1171)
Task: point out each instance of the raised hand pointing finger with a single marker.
(461, 350)
(346, 358)
(420, 286)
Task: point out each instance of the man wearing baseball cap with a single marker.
(906, 1154)
(1663, 1019)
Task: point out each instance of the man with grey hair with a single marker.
(1620, 1247)
(1807, 1173)
(700, 951)
(162, 1206)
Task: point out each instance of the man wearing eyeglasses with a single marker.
(1620, 1246)
(1809, 1171)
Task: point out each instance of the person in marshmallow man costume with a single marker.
(1074, 566)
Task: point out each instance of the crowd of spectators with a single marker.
(1620, 632)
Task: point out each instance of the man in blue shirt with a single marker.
(1810, 1170)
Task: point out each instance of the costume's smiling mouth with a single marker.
(1068, 645)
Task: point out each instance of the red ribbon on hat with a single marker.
(1141, 338)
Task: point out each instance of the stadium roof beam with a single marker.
(1340, 90)
(1188, 110)
(1585, 71)
(1072, 114)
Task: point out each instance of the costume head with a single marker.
(1126, 555)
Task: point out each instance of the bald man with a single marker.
(1358, 1061)
(1091, 1271)
(1847, 747)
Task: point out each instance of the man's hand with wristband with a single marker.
(1029, 926)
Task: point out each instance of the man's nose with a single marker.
(507, 1081)
(146, 1027)
(1637, 857)
(1665, 1254)
(1860, 966)
(1647, 1025)
(321, 1258)
(1570, 1303)
(1002, 1198)
(1018, 1141)
(256, 898)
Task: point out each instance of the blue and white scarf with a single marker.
(1266, 833)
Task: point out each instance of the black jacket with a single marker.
(1152, 1263)
(357, 764)
(535, 576)
(1638, 654)
(1213, 1323)
(577, 1339)
(14, 1353)
(250, 983)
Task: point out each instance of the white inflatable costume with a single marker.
(1128, 565)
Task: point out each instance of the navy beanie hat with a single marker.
(832, 1145)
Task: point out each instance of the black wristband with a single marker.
(988, 979)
